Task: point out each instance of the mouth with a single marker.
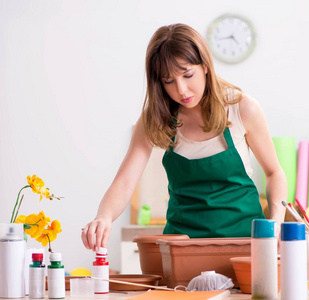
(187, 100)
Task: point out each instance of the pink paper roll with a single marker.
(302, 174)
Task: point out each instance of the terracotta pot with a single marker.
(185, 259)
(242, 269)
(149, 252)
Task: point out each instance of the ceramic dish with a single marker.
(133, 278)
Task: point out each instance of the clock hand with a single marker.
(233, 38)
(226, 37)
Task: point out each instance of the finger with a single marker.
(99, 236)
(90, 235)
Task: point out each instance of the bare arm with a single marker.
(260, 142)
(97, 232)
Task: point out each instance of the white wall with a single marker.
(72, 85)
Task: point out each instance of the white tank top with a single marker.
(196, 150)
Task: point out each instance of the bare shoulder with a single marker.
(250, 111)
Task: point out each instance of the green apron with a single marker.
(211, 196)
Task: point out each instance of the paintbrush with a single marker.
(294, 213)
(133, 283)
(299, 218)
(302, 210)
(295, 216)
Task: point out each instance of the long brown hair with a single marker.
(167, 45)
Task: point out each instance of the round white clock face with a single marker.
(231, 38)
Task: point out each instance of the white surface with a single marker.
(28, 261)
(12, 258)
(293, 273)
(101, 272)
(37, 282)
(56, 283)
(130, 262)
(72, 85)
(264, 268)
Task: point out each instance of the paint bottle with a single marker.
(293, 258)
(264, 265)
(56, 277)
(37, 277)
(101, 270)
(12, 259)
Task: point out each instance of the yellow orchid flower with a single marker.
(54, 229)
(50, 234)
(36, 223)
(21, 219)
(44, 192)
(38, 226)
(36, 183)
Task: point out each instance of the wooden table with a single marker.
(235, 295)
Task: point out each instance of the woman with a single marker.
(207, 126)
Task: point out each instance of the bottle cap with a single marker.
(262, 228)
(11, 232)
(292, 231)
(37, 256)
(102, 251)
(55, 256)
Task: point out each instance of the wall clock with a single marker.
(231, 38)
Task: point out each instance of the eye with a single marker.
(168, 81)
(189, 75)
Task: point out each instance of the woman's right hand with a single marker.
(96, 234)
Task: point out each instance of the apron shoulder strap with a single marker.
(228, 138)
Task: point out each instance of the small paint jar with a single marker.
(56, 277)
(37, 277)
(101, 270)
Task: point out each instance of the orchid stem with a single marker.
(13, 213)
(49, 249)
(21, 200)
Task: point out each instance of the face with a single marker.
(186, 87)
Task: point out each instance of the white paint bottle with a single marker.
(101, 270)
(12, 259)
(293, 257)
(264, 268)
(56, 277)
(37, 277)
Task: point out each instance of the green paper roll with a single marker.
(287, 156)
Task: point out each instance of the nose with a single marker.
(181, 87)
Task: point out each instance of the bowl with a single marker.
(242, 269)
(149, 252)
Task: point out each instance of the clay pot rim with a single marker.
(205, 242)
(152, 238)
(244, 260)
(241, 260)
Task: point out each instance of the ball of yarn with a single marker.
(210, 281)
